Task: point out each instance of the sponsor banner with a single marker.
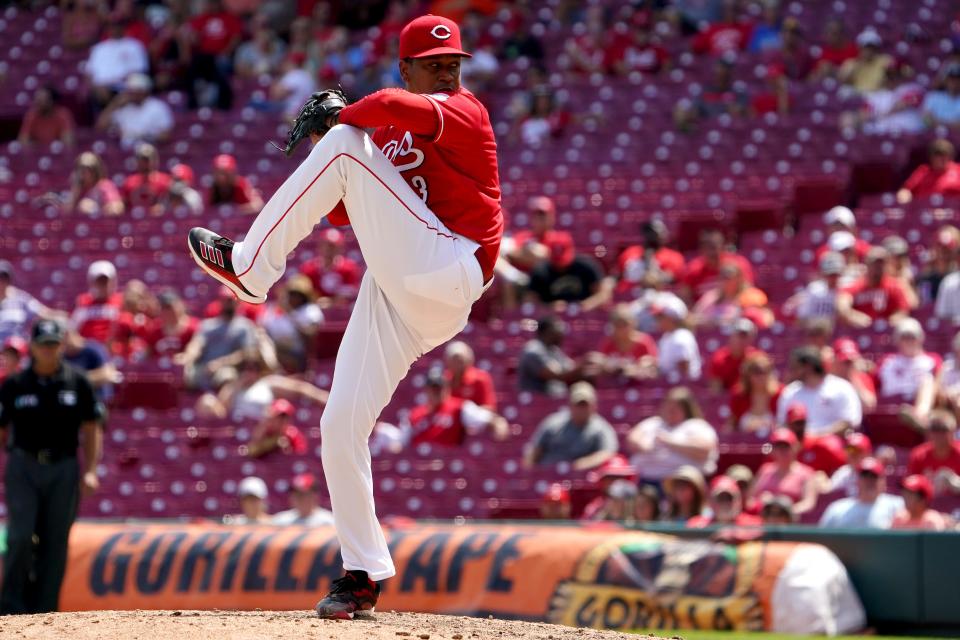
(583, 577)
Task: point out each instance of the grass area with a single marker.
(748, 635)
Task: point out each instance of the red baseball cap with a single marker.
(796, 412)
(872, 465)
(783, 436)
(183, 173)
(860, 442)
(846, 349)
(304, 482)
(919, 484)
(561, 247)
(281, 407)
(725, 484)
(431, 35)
(16, 343)
(225, 162)
(557, 493)
(616, 467)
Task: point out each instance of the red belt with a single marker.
(486, 265)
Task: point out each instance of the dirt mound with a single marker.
(265, 625)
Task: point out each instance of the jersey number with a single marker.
(421, 186)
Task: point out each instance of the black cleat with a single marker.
(212, 253)
(353, 593)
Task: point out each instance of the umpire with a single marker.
(42, 411)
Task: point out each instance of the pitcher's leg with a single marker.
(376, 353)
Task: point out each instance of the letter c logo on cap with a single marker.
(441, 32)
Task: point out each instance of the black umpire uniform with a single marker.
(42, 411)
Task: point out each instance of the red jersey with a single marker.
(740, 402)
(160, 343)
(443, 425)
(146, 191)
(742, 520)
(631, 267)
(297, 441)
(723, 37)
(102, 320)
(475, 385)
(341, 279)
(642, 346)
(836, 56)
(725, 367)
(924, 182)
(826, 453)
(924, 462)
(702, 276)
(45, 128)
(215, 31)
(878, 302)
(443, 146)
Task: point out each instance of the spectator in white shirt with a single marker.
(678, 352)
(948, 379)
(113, 59)
(947, 306)
(832, 403)
(294, 87)
(819, 298)
(909, 375)
(252, 493)
(871, 507)
(136, 115)
(304, 505)
(18, 309)
(678, 436)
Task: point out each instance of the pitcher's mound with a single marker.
(286, 625)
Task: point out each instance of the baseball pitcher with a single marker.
(422, 194)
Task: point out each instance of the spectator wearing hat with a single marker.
(335, 277)
(626, 352)
(543, 366)
(556, 503)
(943, 107)
(824, 454)
(135, 115)
(210, 40)
(685, 492)
(726, 362)
(620, 499)
(91, 191)
(678, 354)
(732, 297)
(276, 432)
(876, 295)
(941, 175)
(446, 420)
(753, 400)
(857, 447)
(651, 264)
(726, 507)
(98, 313)
(852, 367)
(113, 60)
(917, 493)
(841, 218)
(12, 353)
(293, 322)
(230, 188)
(567, 276)
(901, 269)
(941, 264)
(47, 120)
(252, 493)
(703, 272)
(742, 475)
(576, 434)
(18, 309)
(867, 71)
(173, 328)
(305, 507)
(777, 510)
(832, 403)
(678, 436)
(818, 299)
(939, 457)
(466, 380)
(909, 375)
(785, 475)
(870, 507)
(147, 186)
(181, 192)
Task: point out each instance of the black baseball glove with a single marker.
(314, 116)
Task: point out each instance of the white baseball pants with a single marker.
(420, 284)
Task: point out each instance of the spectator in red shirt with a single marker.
(821, 453)
(726, 507)
(726, 362)
(641, 53)
(335, 277)
(169, 333)
(230, 188)
(12, 353)
(467, 381)
(597, 49)
(939, 457)
(147, 187)
(528, 247)
(835, 49)
(651, 264)
(940, 175)
(214, 35)
(851, 366)
(91, 191)
(445, 420)
(917, 494)
(627, 352)
(753, 401)
(98, 314)
(703, 272)
(784, 475)
(47, 120)
(776, 97)
(556, 503)
(874, 296)
(181, 191)
(730, 35)
(277, 432)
